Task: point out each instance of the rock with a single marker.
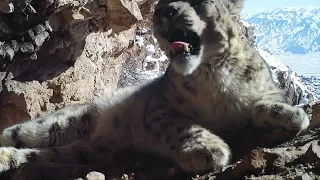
(305, 177)
(248, 31)
(60, 56)
(13, 109)
(52, 171)
(141, 2)
(95, 176)
(82, 12)
(122, 13)
(315, 119)
(294, 159)
(313, 110)
(6, 6)
(293, 93)
(255, 162)
(312, 155)
(313, 84)
(125, 177)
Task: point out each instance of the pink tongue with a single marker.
(179, 47)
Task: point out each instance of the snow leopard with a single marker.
(215, 81)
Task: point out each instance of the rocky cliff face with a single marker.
(57, 53)
(248, 31)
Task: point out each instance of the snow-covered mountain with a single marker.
(287, 30)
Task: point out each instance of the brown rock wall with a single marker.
(57, 53)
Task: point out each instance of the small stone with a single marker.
(311, 155)
(141, 2)
(26, 47)
(14, 45)
(48, 27)
(7, 8)
(95, 176)
(9, 51)
(171, 171)
(34, 56)
(39, 29)
(31, 33)
(31, 9)
(125, 177)
(41, 38)
(305, 177)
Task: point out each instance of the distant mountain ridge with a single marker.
(287, 30)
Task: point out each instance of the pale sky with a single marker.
(256, 6)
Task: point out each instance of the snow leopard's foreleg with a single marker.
(281, 115)
(58, 128)
(194, 148)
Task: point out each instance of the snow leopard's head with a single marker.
(192, 32)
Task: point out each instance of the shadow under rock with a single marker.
(48, 66)
(244, 140)
(41, 70)
(42, 46)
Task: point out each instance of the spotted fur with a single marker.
(220, 86)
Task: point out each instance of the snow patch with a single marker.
(139, 41)
(150, 52)
(272, 61)
(150, 48)
(135, 76)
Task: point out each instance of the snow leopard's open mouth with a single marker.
(184, 43)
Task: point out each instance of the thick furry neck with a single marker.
(235, 52)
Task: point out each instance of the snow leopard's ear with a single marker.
(235, 6)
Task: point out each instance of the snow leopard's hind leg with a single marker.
(80, 152)
(58, 128)
(62, 137)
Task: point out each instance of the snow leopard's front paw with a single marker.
(202, 152)
(291, 118)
